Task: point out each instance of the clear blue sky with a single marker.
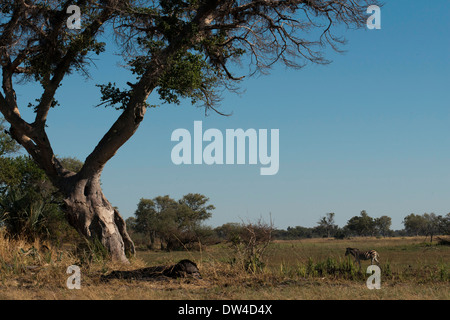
(370, 131)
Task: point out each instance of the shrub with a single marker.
(250, 245)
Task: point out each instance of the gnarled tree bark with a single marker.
(89, 212)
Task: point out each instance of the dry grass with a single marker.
(417, 271)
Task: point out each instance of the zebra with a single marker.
(365, 255)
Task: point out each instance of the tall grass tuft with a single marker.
(344, 269)
(37, 263)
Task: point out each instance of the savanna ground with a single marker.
(302, 269)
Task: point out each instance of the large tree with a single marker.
(428, 224)
(177, 224)
(415, 224)
(362, 225)
(383, 225)
(175, 48)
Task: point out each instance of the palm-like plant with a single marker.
(22, 214)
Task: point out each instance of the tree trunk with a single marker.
(152, 239)
(92, 215)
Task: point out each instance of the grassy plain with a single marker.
(311, 269)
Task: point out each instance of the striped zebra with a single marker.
(365, 255)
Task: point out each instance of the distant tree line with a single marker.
(428, 224)
(180, 225)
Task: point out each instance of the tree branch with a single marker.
(130, 119)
